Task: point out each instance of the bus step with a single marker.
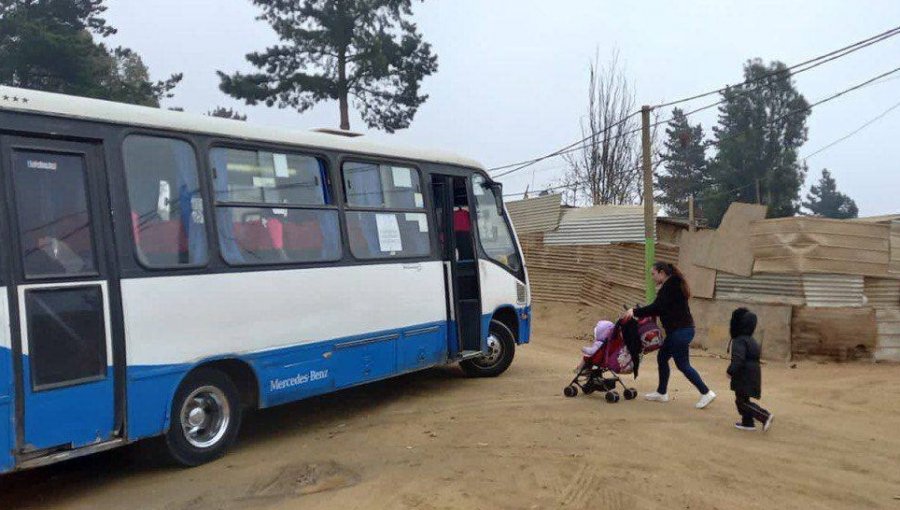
(470, 354)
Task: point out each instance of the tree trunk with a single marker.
(342, 91)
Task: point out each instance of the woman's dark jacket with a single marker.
(745, 372)
(671, 306)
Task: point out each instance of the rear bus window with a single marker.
(167, 218)
(273, 208)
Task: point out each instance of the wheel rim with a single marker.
(205, 416)
(494, 354)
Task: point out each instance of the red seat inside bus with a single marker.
(260, 240)
(305, 236)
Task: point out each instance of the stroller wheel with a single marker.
(570, 391)
(588, 388)
(612, 397)
(630, 394)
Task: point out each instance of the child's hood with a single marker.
(743, 323)
(602, 331)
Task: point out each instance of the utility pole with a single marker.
(649, 210)
(692, 227)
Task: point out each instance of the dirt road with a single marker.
(437, 440)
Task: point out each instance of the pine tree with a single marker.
(684, 159)
(49, 45)
(825, 200)
(335, 50)
(761, 126)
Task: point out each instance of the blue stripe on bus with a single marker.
(293, 373)
(7, 411)
(283, 375)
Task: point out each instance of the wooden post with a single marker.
(692, 226)
(649, 210)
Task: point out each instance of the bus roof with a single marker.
(33, 101)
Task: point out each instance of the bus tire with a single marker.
(501, 351)
(205, 418)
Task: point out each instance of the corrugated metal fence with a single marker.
(532, 215)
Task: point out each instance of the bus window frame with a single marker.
(426, 208)
(520, 274)
(219, 143)
(126, 198)
(89, 160)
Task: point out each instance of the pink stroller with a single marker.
(617, 350)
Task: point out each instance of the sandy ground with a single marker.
(437, 440)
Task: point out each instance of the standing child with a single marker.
(745, 371)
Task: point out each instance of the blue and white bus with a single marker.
(164, 272)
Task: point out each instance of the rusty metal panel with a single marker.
(887, 347)
(882, 293)
(894, 262)
(532, 215)
(761, 288)
(833, 290)
(599, 225)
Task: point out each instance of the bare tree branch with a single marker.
(607, 170)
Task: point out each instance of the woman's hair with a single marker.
(672, 270)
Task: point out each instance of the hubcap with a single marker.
(494, 353)
(205, 416)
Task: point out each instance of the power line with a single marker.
(797, 69)
(780, 118)
(855, 131)
(828, 57)
(529, 162)
(570, 149)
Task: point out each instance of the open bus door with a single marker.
(452, 209)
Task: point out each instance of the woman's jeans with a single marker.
(678, 346)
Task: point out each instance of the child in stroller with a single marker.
(617, 350)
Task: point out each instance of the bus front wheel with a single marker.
(205, 418)
(501, 351)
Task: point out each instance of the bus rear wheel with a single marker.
(501, 351)
(205, 418)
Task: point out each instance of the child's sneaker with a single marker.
(768, 423)
(657, 397)
(705, 400)
(741, 426)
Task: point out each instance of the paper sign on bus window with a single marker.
(263, 182)
(402, 177)
(281, 165)
(421, 219)
(420, 202)
(388, 233)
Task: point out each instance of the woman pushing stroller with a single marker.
(671, 306)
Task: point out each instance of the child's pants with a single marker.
(750, 410)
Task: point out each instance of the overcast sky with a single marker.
(512, 79)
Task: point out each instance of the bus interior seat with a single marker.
(304, 240)
(259, 240)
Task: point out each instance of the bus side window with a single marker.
(273, 208)
(54, 222)
(166, 206)
(389, 220)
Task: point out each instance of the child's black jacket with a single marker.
(745, 372)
